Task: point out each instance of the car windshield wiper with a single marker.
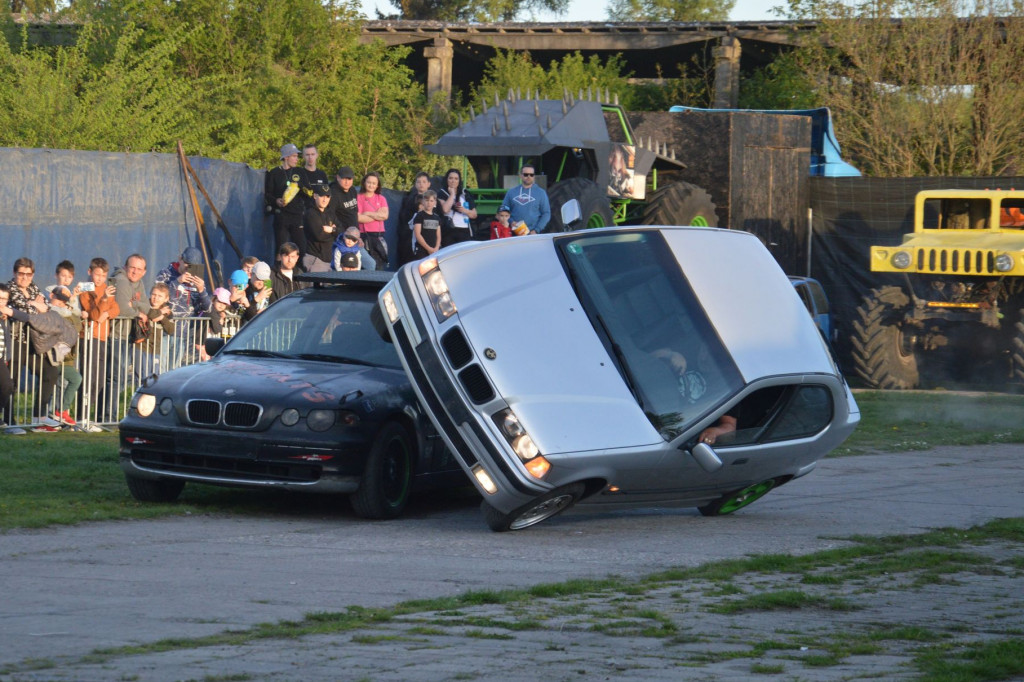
(341, 359)
(257, 353)
(627, 374)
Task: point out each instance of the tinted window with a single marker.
(808, 412)
(650, 321)
(331, 323)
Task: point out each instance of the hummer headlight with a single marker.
(1004, 262)
(900, 259)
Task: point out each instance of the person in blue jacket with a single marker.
(528, 203)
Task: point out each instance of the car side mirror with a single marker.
(706, 457)
(571, 212)
(212, 345)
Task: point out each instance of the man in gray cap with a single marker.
(281, 196)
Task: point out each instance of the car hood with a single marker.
(563, 386)
(280, 381)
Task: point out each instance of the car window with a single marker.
(320, 324)
(779, 413)
(651, 322)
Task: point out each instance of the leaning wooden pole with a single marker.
(200, 225)
(216, 214)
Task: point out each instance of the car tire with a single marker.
(883, 354)
(737, 499)
(149, 490)
(595, 209)
(680, 203)
(532, 513)
(1017, 351)
(387, 479)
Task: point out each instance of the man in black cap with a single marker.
(188, 292)
(344, 199)
(320, 232)
(281, 189)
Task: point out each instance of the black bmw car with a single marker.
(307, 397)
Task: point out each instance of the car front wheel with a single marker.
(148, 490)
(384, 489)
(555, 502)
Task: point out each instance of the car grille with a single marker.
(242, 415)
(476, 384)
(956, 261)
(232, 468)
(203, 411)
(456, 348)
(235, 414)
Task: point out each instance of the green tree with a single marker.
(920, 87)
(670, 10)
(465, 10)
(516, 71)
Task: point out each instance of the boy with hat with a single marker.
(258, 292)
(500, 229)
(348, 243)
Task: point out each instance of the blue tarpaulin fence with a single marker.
(76, 205)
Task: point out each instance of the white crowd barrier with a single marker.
(110, 370)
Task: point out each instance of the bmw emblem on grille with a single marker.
(490, 353)
(229, 391)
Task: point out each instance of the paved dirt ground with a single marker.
(71, 591)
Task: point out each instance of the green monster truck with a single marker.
(581, 149)
(962, 299)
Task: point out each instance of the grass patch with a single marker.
(993, 660)
(767, 668)
(782, 600)
(902, 421)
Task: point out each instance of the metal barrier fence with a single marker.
(95, 386)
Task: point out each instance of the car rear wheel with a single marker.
(735, 501)
(555, 502)
(384, 489)
(148, 490)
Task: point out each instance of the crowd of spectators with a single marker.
(75, 339)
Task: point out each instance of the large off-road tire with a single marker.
(148, 490)
(738, 499)
(1017, 349)
(883, 349)
(541, 509)
(387, 479)
(680, 203)
(595, 209)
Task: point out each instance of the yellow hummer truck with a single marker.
(961, 297)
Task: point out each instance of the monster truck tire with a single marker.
(595, 209)
(680, 204)
(1017, 349)
(882, 356)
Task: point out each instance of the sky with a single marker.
(589, 10)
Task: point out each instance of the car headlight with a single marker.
(389, 306)
(290, 417)
(437, 290)
(146, 404)
(521, 442)
(900, 259)
(320, 420)
(1004, 262)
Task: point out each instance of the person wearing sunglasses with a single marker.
(528, 203)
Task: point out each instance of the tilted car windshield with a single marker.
(651, 322)
(328, 325)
